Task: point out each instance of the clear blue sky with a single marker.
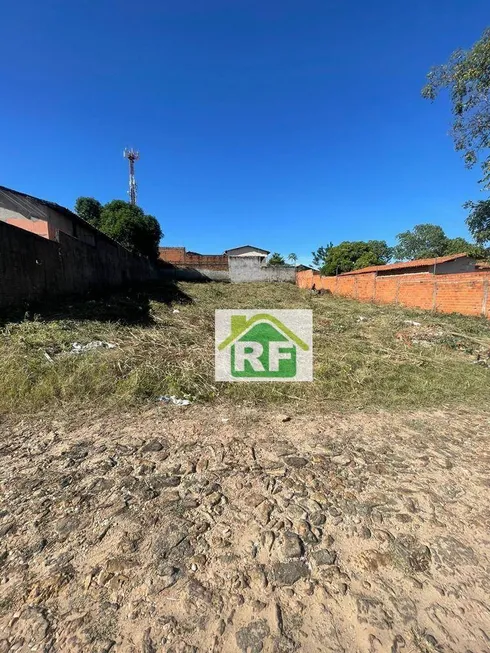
(281, 123)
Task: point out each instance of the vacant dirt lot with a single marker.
(228, 529)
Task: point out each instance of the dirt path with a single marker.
(211, 529)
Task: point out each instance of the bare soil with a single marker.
(224, 529)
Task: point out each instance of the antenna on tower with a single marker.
(132, 156)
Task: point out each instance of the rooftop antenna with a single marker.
(132, 156)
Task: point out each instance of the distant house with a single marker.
(451, 264)
(42, 217)
(247, 250)
(302, 268)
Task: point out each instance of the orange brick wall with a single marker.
(467, 292)
(179, 257)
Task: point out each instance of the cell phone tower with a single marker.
(132, 156)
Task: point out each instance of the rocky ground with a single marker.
(219, 529)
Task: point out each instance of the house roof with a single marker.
(258, 249)
(417, 263)
(241, 325)
(52, 205)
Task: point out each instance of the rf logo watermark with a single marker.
(258, 345)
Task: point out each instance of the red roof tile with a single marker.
(418, 263)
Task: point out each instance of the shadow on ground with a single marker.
(129, 306)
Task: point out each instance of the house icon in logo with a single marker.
(262, 347)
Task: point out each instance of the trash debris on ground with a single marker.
(48, 357)
(412, 323)
(422, 336)
(172, 399)
(77, 348)
(482, 359)
(176, 310)
(430, 336)
(361, 318)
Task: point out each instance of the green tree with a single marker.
(276, 259)
(428, 241)
(131, 227)
(424, 241)
(320, 255)
(478, 221)
(466, 76)
(354, 255)
(458, 246)
(292, 258)
(89, 209)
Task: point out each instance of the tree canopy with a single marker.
(129, 225)
(276, 259)
(320, 255)
(466, 76)
(478, 221)
(89, 209)
(351, 255)
(428, 241)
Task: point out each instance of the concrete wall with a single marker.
(466, 292)
(250, 268)
(33, 268)
(177, 273)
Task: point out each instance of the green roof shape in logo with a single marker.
(262, 347)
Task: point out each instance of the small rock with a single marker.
(250, 638)
(119, 565)
(317, 518)
(324, 557)
(453, 553)
(287, 573)
(159, 481)
(153, 445)
(264, 512)
(168, 575)
(305, 531)
(412, 553)
(283, 418)
(296, 461)
(341, 460)
(291, 545)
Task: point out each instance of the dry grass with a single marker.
(358, 364)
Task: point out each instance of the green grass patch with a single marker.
(376, 362)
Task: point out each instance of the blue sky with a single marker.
(280, 123)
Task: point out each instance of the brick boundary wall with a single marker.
(466, 292)
(179, 257)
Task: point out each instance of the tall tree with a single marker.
(478, 221)
(467, 78)
(320, 255)
(424, 241)
(354, 255)
(429, 241)
(89, 209)
(131, 227)
(276, 259)
(292, 258)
